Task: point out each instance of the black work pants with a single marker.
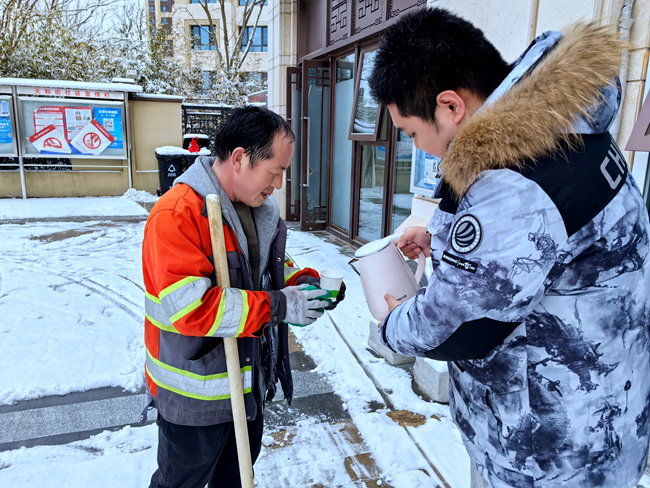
(191, 457)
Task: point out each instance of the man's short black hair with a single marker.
(427, 52)
(252, 128)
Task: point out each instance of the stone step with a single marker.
(67, 418)
(374, 342)
(432, 377)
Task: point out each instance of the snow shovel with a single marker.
(230, 346)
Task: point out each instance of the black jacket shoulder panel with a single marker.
(580, 180)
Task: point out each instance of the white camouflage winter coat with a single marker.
(540, 292)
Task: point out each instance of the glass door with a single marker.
(342, 145)
(315, 145)
(402, 197)
(371, 197)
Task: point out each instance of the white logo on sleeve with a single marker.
(466, 234)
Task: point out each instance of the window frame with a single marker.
(211, 45)
(365, 137)
(245, 36)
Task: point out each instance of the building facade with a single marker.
(192, 34)
(353, 173)
(188, 28)
(160, 13)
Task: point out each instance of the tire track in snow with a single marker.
(103, 291)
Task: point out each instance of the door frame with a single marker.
(306, 148)
(293, 210)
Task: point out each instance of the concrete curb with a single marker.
(374, 342)
(95, 218)
(67, 418)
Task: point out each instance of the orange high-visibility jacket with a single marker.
(187, 312)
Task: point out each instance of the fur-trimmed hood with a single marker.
(542, 110)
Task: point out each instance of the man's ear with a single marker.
(238, 158)
(453, 106)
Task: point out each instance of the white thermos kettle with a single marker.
(383, 269)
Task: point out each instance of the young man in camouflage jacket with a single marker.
(540, 292)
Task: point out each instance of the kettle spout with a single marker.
(354, 260)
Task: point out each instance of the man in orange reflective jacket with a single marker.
(188, 313)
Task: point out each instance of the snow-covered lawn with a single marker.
(71, 298)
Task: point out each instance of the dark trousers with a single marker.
(191, 457)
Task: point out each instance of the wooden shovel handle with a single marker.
(230, 346)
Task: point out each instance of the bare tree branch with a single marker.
(224, 24)
(213, 31)
(250, 40)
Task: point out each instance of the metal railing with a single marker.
(204, 119)
(57, 164)
(36, 164)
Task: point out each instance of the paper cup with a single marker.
(331, 280)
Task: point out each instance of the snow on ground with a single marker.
(41, 208)
(438, 436)
(140, 196)
(71, 299)
(122, 459)
(71, 296)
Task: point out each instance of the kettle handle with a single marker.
(422, 262)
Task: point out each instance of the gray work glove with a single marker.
(310, 280)
(303, 304)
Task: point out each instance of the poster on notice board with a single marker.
(50, 140)
(83, 130)
(5, 123)
(111, 120)
(92, 139)
(425, 173)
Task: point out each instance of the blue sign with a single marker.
(5, 123)
(5, 130)
(111, 120)
(425, 174)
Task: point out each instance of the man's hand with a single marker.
(339, 298)
(303, 304)
(392, 303)
(310, 280)
(414, 241)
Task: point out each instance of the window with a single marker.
(203, 1)
(246, 2)
(402, 196)
(164, 8)
(371, 191)
(367, 123)
(260, 39)
(254, 76)
(152, 8)
(206, 81)
(165, 20)
(201, 38)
